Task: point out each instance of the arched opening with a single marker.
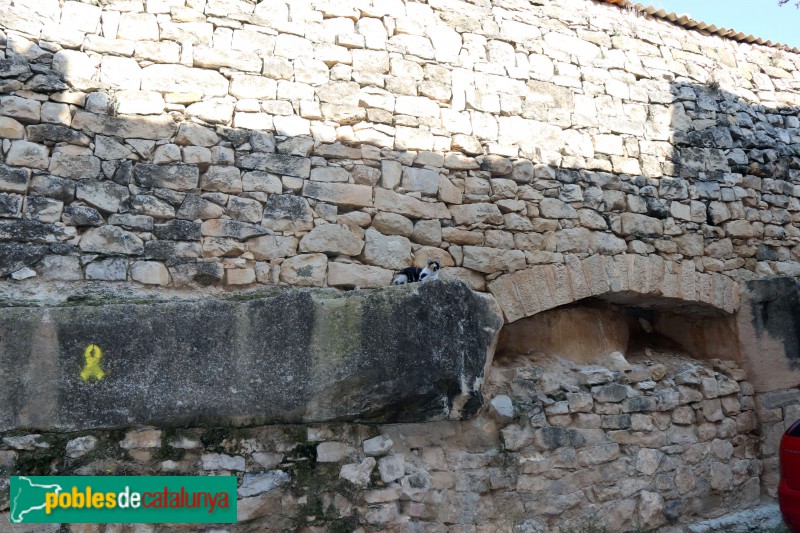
(631, 400)
(588, 330)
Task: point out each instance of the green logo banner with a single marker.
(123, 499)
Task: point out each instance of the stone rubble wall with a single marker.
(185, 143)
(649, 447)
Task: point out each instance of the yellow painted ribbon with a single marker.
(93, 355)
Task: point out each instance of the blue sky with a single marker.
(762, 18)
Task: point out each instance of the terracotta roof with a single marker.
(691, 24)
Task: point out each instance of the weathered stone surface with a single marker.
(772, 318)
(114, 269)
(339, 193)
(391, 467)
(332, 239)
(393, 202)
(23, 109)
(74, 166)
(78, 215)
(393, 224)
(476, 213)
(194, 207)
(60, 268)
(181, 79)
(43, 209)
(81, 446)
(261, 182)
(393, 252)
(219, 461)
(421, 179)
(31, 231)
(11, 129)
(196, 135)
(14, 179)
(150, 273)
(218, 111)
(651, 509)
(171, 250)
(502, 408)
(55, 133)
(176, 177)
(10, 205)
(28, 154)
(104, 195)
(278, 163)
(358, 473)
(305, 270)
(427, 232)
(135, 102)
(334, 452)
(202, 274)
(378, 446)
(231, 228)
(602, 156)
(272, 247)
(491, 260)
(177, 230)
(14, 257)
(343, 398)
(254, 484)
(222, 179)
(640, 225)
(614, 392)
(286, 212)
(137, 127)
(351, 275)
(330, 174)
(111, 240)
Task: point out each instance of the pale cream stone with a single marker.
(150, 273)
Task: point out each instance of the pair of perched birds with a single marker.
(414, 274)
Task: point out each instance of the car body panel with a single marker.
(789, 488)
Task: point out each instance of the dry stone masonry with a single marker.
(636, 446)
(327, 143)
(543, 151)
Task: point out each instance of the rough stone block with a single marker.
(343, 194)
(175, 177)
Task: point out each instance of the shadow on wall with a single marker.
(743, 172)
(731, 204)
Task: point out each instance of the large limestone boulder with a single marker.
(303, 355)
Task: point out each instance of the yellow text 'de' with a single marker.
(93, 355)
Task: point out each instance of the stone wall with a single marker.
(661, 442)
(546, 151)
(313, 355)
(327, 143)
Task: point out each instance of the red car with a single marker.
(789, 488)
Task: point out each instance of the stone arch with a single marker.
(527, 292)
